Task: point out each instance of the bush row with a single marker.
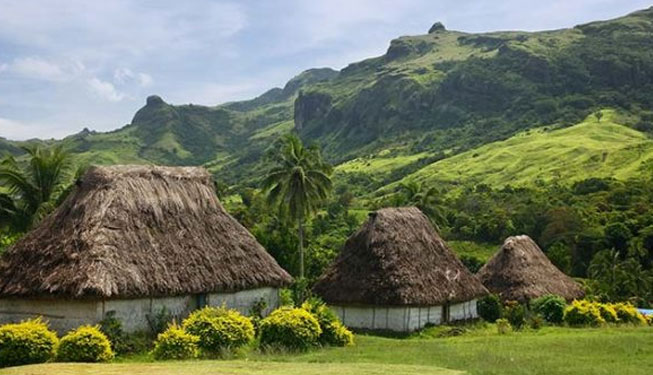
(212, 331)
(31, 341)
(588, 313)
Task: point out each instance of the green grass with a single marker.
(482, 251)
(588, 149)
(551, 350)
(382, 163)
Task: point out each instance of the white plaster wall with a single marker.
(65, 315)
(243, 300)
(391, 318)
(463, 311)
(62, 315)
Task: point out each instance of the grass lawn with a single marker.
(622, 350)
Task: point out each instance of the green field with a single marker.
(551, 350)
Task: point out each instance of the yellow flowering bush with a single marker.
(333, 331)
(84, 344)
(219, 328)
(608, 312)
(291, 328)
(175, 343)
(26, 342)
(627, 313)
(583, 313)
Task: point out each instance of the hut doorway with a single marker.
(446, 312)
(200, 300)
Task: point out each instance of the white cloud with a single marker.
(123, 76)
(37, 68)
(3, 67)
(105, 90)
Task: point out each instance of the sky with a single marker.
(69, 65)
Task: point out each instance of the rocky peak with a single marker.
(438, 26)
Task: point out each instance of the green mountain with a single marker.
(446, 105)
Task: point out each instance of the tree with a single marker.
(427, 200)
(33, 187)
(298, 182)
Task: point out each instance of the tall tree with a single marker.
(298, 183)
(428, 200)
(31, 187)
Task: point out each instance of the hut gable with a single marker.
(397, 258)
(520, 271)
(137, 231)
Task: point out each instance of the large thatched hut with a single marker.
(133, 240)
(520, 271)
(397, 274)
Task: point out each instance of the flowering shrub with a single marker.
(219, 328)
(291, 328)
(583, 313)
(608, 313)
(627, 313)
(26, 342)
(333, 331)
(175, 343)
(85, 344)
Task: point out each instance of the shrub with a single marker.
(333, 331)
(608, 313)
(489, 308)
(627, 313)
(175, 343)
(535, 322)
(649, 319)
(26, 342)
(159, 321)
(550, 307)
(219, 328)
(515, 313)
(84, 344)
(583, 313)
(503, 326)
(290, 328)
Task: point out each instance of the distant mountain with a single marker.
(429, 97)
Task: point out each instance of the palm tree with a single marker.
(31, 187)
(427, 200)
(298, 183)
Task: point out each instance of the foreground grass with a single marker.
(227, 367)
(553, 350)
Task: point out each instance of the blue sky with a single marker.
(66, 65)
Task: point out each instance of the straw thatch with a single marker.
(136, 231)
(397, 258)
(520, 271)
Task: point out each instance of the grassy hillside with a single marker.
(591, 148)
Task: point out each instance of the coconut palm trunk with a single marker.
(300, 236)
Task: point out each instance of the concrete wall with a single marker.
(402, 318)
(390, 318)
(65, 315)
(62, 315)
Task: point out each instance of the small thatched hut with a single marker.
(397, 274)
(520, 271)
(133, 240)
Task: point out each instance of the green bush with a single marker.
(550, 307)
(84, 344)
(219, 328)
(608, 313)
(627, 313)
(291, 328)
(583, 313)
(333, 331)
(26, 342)
(515, 313)
(489, 308)
(175, 343)
(503, 326)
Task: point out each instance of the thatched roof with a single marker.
(135, 231)
(397, 258)
(520, 271)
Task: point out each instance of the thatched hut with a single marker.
(520, 271)
(397, 274)
(133, 240)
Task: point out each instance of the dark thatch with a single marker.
(397, 258)
(138, 231)
(520, 271)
